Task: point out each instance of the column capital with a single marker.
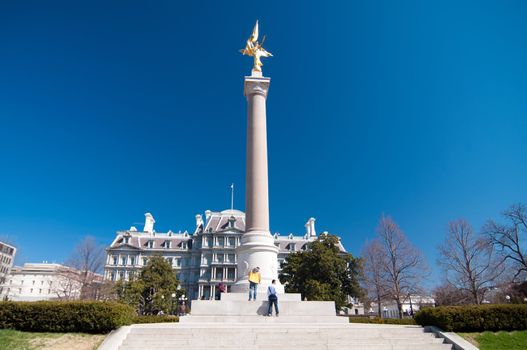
(256, 86)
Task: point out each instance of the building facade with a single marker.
(41, 281)
(7, 258)
(410, 306)
(201, 259)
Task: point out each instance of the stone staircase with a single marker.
(235, 323)
(279, 336)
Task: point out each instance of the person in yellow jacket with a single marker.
(254, 280)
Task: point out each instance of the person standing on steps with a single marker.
(272, 297)
(254, 280)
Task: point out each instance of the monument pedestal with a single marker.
(235, 308)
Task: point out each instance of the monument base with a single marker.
(234, 308)
(257, 249)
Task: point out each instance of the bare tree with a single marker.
(509, 238)
(374, 279)
(67, 284)
(88, 258)
(404, 265)
(469, 261)
(446, 294)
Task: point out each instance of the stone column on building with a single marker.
(257, 247)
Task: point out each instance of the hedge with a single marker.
(475, 318)
(155, 319)
(65, 316)
(377, 320)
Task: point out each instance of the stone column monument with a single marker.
(257, 247)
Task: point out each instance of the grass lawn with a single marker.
(498, 341)
(16, 340)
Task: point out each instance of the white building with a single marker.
(43, 281)
(410, 305)
(201, 259)
(7, 258)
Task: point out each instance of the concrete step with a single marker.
(251, 308)
(264, 319)
(270, 340)
(307, 346)
(259, 296)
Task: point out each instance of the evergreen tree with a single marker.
(322, 272)
(151, 291)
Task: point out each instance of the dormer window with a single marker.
(126, 240)
(291, 247)
(183, 245)
(167, 244)
(150, 244)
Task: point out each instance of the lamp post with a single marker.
(182, 305)
(174, 310)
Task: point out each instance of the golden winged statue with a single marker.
(254, 48)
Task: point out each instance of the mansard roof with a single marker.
(219, 221)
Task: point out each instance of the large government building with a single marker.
(201, 259)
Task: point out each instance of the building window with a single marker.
(41, 283)
(232, 241)
(40, 291)
(31, 291)
(112, 276)
(177, 262)
(169, 260)
(49, 291)
(231, 273)
(219, 274)
(150, 244)
(126, 240)
(221, 241)
(206, 259)
(231, 258)
(205, 274)
(33, 282)
(219, 258)
(123, 260)
(114, 260)
(132, 260)
(291, 247)
(145, 261)
(121, 275)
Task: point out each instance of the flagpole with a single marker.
(232, 196)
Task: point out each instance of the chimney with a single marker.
(149, 223)
(199, 223)
(310, 228)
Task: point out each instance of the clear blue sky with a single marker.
(110, 109)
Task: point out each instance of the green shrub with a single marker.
(155, 319)
(64, 316)
(475, 318)
(377, 320)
